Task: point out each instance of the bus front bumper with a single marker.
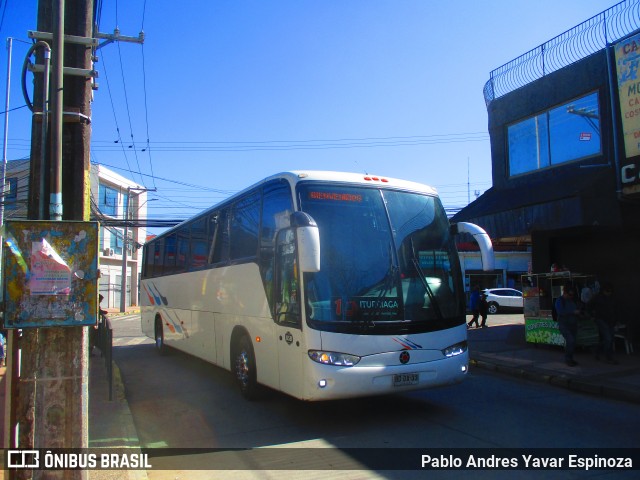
(327, 382)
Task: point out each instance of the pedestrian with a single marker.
(474, 305)
(3, 358)
(567, 311)
(483, 308)
(605, 314)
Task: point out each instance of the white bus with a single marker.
(322, 285)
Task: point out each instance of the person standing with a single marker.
(3, 343)
(483, 308)
(568, 311)
(474, 305)
(604, 310)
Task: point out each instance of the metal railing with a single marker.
(569, 47)
(104, 343)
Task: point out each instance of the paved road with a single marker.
(179, 401)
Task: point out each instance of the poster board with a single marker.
(50, 273)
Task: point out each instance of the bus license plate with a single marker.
(403, 379)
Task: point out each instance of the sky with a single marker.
(224, 93)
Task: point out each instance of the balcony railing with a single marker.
(569, 47)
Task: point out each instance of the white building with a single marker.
(111, 194)
(113, 198)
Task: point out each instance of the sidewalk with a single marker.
(503, 349)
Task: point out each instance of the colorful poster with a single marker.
(50, 273)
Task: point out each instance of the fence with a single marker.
(575, 44)
(104, 343)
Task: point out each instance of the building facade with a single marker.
(564, 123)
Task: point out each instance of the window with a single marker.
(182, 250)
(287, 298)
(11, 193)
(108, 200)
(277, 207)
(158, 257)
(147, 271)
(220, 243)
(117, 235)
(170, 254)
(562, 134)
(198, 244)
(245, 224)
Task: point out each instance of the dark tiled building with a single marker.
(564, 123)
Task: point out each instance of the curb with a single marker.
(580, 385)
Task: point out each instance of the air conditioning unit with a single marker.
(107, 252)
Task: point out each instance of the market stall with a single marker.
(540, 292)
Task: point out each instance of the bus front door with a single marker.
(287, 314)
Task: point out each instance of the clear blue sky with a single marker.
(238, 90)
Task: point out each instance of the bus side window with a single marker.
(220, 242)
(170, 254)
(158, 257)
(244, 226)
(182, 250)
(287, 292)
(198, 244)
(147, 271)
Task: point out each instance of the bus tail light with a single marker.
(333, 358)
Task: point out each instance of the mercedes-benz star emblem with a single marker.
(404, 357)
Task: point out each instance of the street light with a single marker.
(123, 288)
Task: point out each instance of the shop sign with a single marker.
(627, 67)
(542, 330)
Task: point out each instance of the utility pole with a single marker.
(125, 242)
(49, 401)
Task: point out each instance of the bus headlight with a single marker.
(333, 358)
(457, 349)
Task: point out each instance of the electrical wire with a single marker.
(146, 109)
(4, 10)
(115, 119)
(285, 145)
(126, 101)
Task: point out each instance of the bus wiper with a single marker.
(386, 286)
(425, 284)
(364, 322)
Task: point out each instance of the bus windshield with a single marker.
(388, 262)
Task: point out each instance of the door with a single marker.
(288, 313)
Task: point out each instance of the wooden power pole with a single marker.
(49, 405)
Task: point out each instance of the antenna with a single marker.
(356, 162)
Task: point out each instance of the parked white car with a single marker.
(503, 299)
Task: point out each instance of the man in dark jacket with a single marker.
(604, 310)
(568, 311)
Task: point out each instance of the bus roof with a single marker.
(297, 176)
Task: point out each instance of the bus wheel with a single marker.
(159, 336)
(245, 369)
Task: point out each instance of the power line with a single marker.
(200, 187)
(284, 145)
(126, 101)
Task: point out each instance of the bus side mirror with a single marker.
(483, 240)
(308, 241)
